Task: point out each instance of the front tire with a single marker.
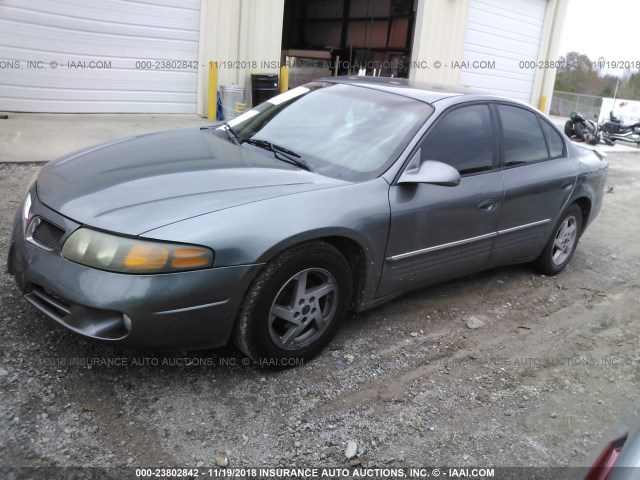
(562, 244)
(295, 305)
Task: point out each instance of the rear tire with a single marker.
(568, 128)
(295, 305)
(562, 244)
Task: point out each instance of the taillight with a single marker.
(602, 467)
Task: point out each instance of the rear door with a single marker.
(441, 232)
(538, 180)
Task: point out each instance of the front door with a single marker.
(440, 232)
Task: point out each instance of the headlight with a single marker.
(130, 255)
(26, 212)
(26, 206)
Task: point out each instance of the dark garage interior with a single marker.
(373, 34)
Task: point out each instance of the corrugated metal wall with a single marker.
(439, 36)
(244, 37)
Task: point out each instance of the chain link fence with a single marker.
(562, 104)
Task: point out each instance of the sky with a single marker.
(602, 28)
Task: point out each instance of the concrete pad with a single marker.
(36, 137)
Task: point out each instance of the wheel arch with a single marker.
(585, 207)
(354, 253)
(356, 250)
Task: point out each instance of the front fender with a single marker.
(254, 233)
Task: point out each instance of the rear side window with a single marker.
(523, 141)
(554, 140)
(462, 139)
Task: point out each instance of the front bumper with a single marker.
(187, 310)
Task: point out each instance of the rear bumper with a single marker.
(188, 310)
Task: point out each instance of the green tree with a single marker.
(580, 75)
(609, 83)
(577, 74)
(632, 87)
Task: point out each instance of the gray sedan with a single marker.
(333, 197)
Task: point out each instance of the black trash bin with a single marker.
(263, 87)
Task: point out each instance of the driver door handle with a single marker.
(488, 205)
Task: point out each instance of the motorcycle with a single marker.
(580, 129)
(614, 130)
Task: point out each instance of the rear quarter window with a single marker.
(554, 139)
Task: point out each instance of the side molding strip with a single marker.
(435, 248)
(522, 227)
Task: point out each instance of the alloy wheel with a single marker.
(303, 309)
(564, 240)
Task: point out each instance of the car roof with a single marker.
(425, 92)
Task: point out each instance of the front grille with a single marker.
(47, 234)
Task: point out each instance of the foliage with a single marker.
(579, 74)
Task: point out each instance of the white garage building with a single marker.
(152, 56)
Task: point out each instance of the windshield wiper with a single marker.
(280, 153)
(233, 136)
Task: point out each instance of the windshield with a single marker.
(341, 131)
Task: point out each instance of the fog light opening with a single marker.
(127, 322)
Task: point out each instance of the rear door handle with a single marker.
(488, 205)
(566, 186)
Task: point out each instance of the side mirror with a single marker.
(431, 172)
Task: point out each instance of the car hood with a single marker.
(141, 183)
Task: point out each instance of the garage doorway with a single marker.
(342, 37)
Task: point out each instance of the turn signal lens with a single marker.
(146, 257)
(131, 255)
(189, 258)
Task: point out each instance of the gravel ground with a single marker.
(503, 368)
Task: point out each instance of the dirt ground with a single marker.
(552, 365)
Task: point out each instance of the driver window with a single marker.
(462, 139)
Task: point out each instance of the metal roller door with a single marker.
(507, 32)
(127, 56)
